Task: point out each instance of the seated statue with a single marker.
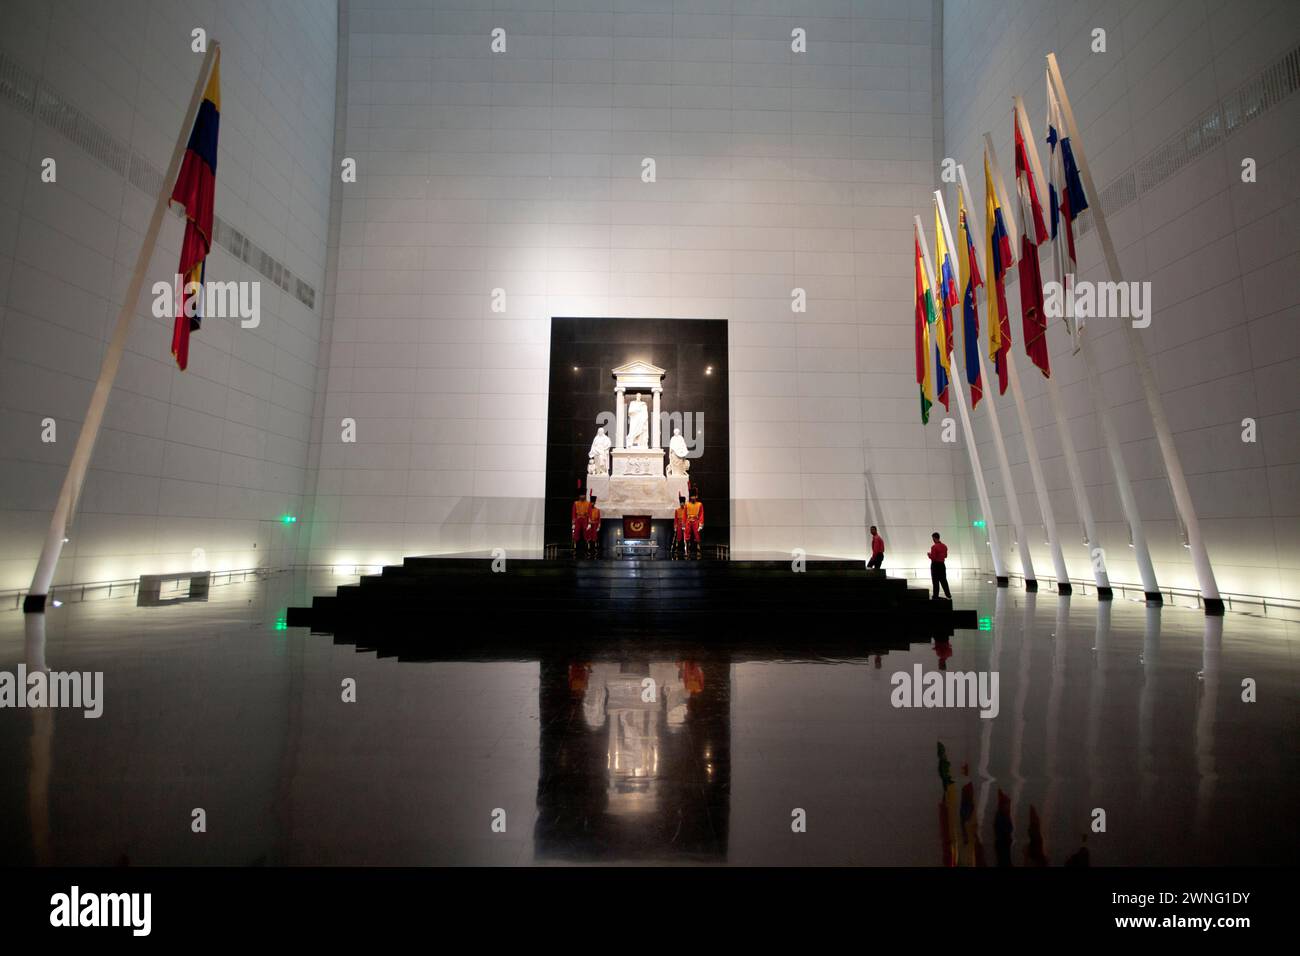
(677, 451)
(598, 456)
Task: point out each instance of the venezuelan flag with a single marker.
(969, 279)
(924, 307)
(195, 190)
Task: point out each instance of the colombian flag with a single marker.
(969, 279)
(196, 187)
(947, 299)
(924, 306)
(997, 253)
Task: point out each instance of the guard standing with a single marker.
(694, 521)
(679, 527)
(593, 529)
(581, 512)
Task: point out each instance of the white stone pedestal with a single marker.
(636, 462)
(637, 485)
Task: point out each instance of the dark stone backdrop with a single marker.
(684, 348)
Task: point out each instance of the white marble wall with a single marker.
(522, 171)
(209, 458)
(1222, 257)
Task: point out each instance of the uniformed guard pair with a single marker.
(586, 527)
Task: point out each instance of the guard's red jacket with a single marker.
(939, 552)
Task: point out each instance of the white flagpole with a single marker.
(70, 493)
(955, 384)
(1122, 485)
(1155, 405)
(999, 446)
(989, 524)
(1031, 446)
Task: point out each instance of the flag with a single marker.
(924, 309)
(969, 279)
(1066, 200)
(997, 253)
(947, 291)
(195, 190)
(1032, 232)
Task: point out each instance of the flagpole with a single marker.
(999, 571)
(1155, 405)
(70, 493)
(1123, 487)
(1099, 575)
(1013, 500)
(1063, 585)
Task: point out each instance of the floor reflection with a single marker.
(650, 750)
(635, 760)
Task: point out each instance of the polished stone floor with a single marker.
(218, 706)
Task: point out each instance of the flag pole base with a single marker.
(1064, 587)
(1154, 597)
(1214, 607)
(1031, 584)
(1004, 581)
(1105, 594)
(35, 604)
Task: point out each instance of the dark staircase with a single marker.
(458, 608)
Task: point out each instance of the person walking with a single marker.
(938, 569)
(877, 550)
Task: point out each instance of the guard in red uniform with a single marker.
(581, 513)
(939, 570)
(694, 521)
(593, 529)
(679, 527)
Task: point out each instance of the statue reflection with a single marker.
(635, 760)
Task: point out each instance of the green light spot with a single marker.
(978, 523)
(289, 519)
(986, 624)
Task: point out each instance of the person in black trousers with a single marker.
(939, 570)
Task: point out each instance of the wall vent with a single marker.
(1253, 99)
(22, 90)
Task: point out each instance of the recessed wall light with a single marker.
(708, 370)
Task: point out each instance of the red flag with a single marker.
(1032, 232)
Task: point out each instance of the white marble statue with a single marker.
(677, 451)
(598, 456)
(638, 423)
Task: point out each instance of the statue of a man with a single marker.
(598, 456)
(677, 452)
(638, 423)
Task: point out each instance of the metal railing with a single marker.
(125, 587)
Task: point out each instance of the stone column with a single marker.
(654, 422)
(620, 420)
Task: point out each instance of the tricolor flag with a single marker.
(997, 253)
(195, 189)
(946, 280)
(1066, 199)
(969, 278)
(924, 310)
(1032, 232)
